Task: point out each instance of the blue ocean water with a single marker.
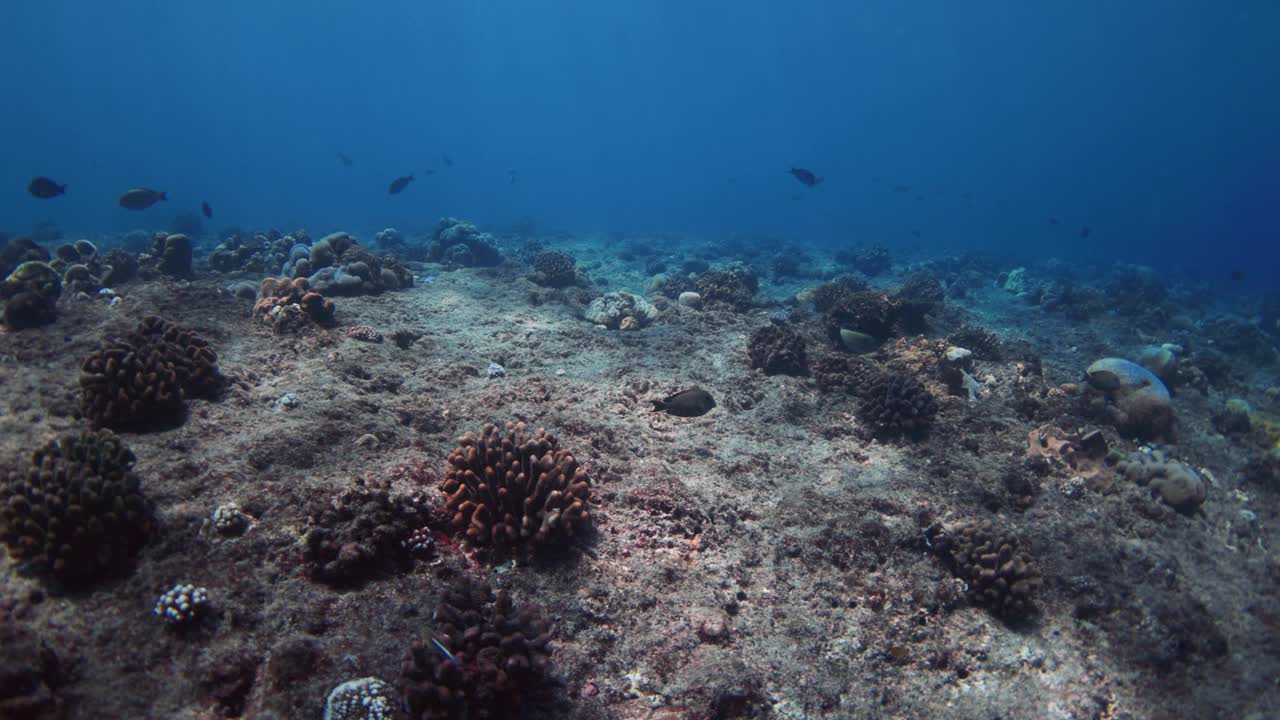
(1152, 122)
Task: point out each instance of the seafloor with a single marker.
(789, 554)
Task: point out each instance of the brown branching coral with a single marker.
(484, 660)
(77, 510)
(1001, 575)
(288, 305)
(518, 490)
(144, 376)
(363, 531)
(554, 269)
(870, 311)
(898, 404)
(778, 351)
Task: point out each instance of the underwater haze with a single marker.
(1152, 122)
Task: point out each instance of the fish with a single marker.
(512, 176)
(44, 188)
(1237, 275)
(1085, 231)
(400, 183)
(902, 188)
(693, 402)
(429, 171)
(208, 211)
(805, 176)
(1053, 221)
(444, 158)
(444, 650)
(141, 198)
(345, 159)
(916, 233)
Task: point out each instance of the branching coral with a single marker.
(778, 351)
(515, 491)
(554, 269)
(484, 660)
(77, 509)
(144, 376)
(898, 404)
(1001, 575)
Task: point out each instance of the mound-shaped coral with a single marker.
(554, 269)
(173, 254)
(144, 377)
(459, 244)
(364, 531)
(30, 295)
(515, 491)
(869, 311)
(77, 510)
(340, 266)
(267, 252)
(870, 261)
(485, 658)
(1001, 575)
(734, 287)
(898, 404)
(1176, 483)
(1136, 401)
(289, 305)
(612, 310)
(778, 351)
(920, 295)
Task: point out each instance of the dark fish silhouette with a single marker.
(429, 171)
(687, 403)
(444, 158)
(512, 176)
(345, 159)
(916, 233)
(141, 198)
(1053, 221)
(400, 183)
(805, 176)
(1085, 231)
(44, 188)
(902, 188)
(208, 211)
(1237, 275)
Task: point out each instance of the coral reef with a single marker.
(172, 255)
(485, 658)
(181, 604)
(459, 244)
(30, 676)
(1136, 402)
(264, 253)
(144, 377)
(871, 312)
(1175, 483)
(777, 351)
(361, 533)
(613, 309)
(30, 295)
(920, 295)
(733, 287)
(76, 510)
(554, 269)
(515, 491)
(364, 333)
(1000, 574)
(290, 305)
(362, 699)
(870, 261)
(898, 404)
(340, 266)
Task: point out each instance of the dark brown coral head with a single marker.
(517, 489)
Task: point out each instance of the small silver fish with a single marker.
(444, 650)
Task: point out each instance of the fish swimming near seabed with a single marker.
(400, 183)
(45, 188)
(693, 402)
(206, 210)
(141, 198)
(1086, 231)
(805, 176)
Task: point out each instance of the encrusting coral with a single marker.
(77, 510)
(144, 376)
(485, 658)
(517, 490)
(363, 531)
